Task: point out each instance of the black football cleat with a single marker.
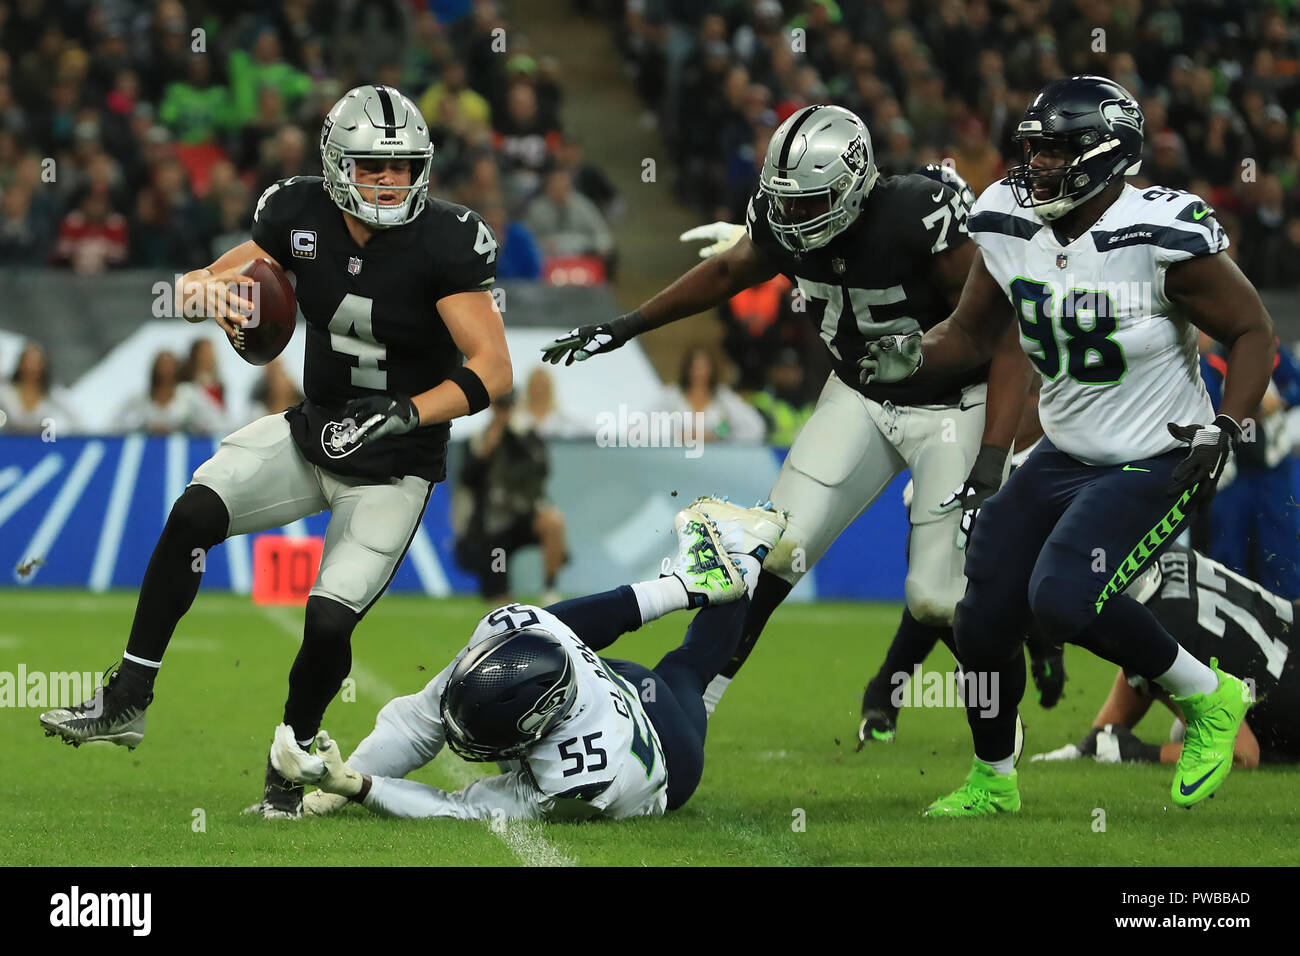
(115, 714)
(281, 797)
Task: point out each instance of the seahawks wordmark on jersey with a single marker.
(372, 321)
(603, 759)
(1116, 360)
(1215, 612)
(876, 278)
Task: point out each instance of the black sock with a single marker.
(322, 662)
(550, 580)
(197, 522)
(767, 597)
(913, 642)
(993, 722)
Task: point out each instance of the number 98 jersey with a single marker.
(372, 322)
(1117, 363)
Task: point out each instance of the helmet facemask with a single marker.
(805, 219)
(1085, 172)
(351, 196)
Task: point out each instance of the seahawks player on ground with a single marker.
(1108, 284)
(871, 256)
(580, 736)
(394, 287)
(1213, 612)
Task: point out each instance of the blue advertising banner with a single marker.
(86, 513)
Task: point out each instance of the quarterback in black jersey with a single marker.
(1212, 612)
(394, 287)
(871, 256)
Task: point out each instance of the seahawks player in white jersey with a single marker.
(871, 255)
(1107, 284)
(580, 736)
(1212, 611)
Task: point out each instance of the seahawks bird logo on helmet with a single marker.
(375, 122)
(818, 169)
(1095, 124)
(507, 693)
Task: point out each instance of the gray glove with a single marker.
(890, 359)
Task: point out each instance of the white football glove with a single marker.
(318, 803)
(291, 760)
(723, 236)
(1068, 752)
(339, 778)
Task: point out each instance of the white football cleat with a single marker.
(709, 574)
(290, 760)
(760, 527)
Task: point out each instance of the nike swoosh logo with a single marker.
(465, 217)
(1131, 468)
(1198, 216)
(937, 196)
(967, 408)
(1187, 791)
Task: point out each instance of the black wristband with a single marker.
(989, 464)
(469, 382)
(1228, 424)
(628, 326)
(360, 795)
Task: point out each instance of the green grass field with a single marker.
(783, 741)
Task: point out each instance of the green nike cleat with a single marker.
(984, 794)
(1212, 723)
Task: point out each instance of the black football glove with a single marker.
(1047, 665)
(378, 416)
(1211, 446)
(584, 342)
(982, 483)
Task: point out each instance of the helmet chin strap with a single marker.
(382, 216)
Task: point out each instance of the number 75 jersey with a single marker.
(1117, 361)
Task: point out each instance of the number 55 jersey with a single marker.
(603, 759)
(1117, 361)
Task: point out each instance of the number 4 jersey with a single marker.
(1116, 360)
(604, 759)
(372, 322)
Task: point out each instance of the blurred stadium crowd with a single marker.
(120, 146)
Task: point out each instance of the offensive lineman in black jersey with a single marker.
(869, 254)
(1213, 612)
(394, 287)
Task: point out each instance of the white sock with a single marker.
(751, 568)
(713, 693)
(657, 598)
(1188, 676)
(1005, 765)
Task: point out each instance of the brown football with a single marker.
(275, 308)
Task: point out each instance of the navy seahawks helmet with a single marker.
(1098, 125)
(507, 693)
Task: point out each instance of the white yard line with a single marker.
(525, 840)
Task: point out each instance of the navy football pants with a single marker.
(1060, 541)
(672, 693)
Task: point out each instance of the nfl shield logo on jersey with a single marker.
(1061, 260)
(354, 266)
